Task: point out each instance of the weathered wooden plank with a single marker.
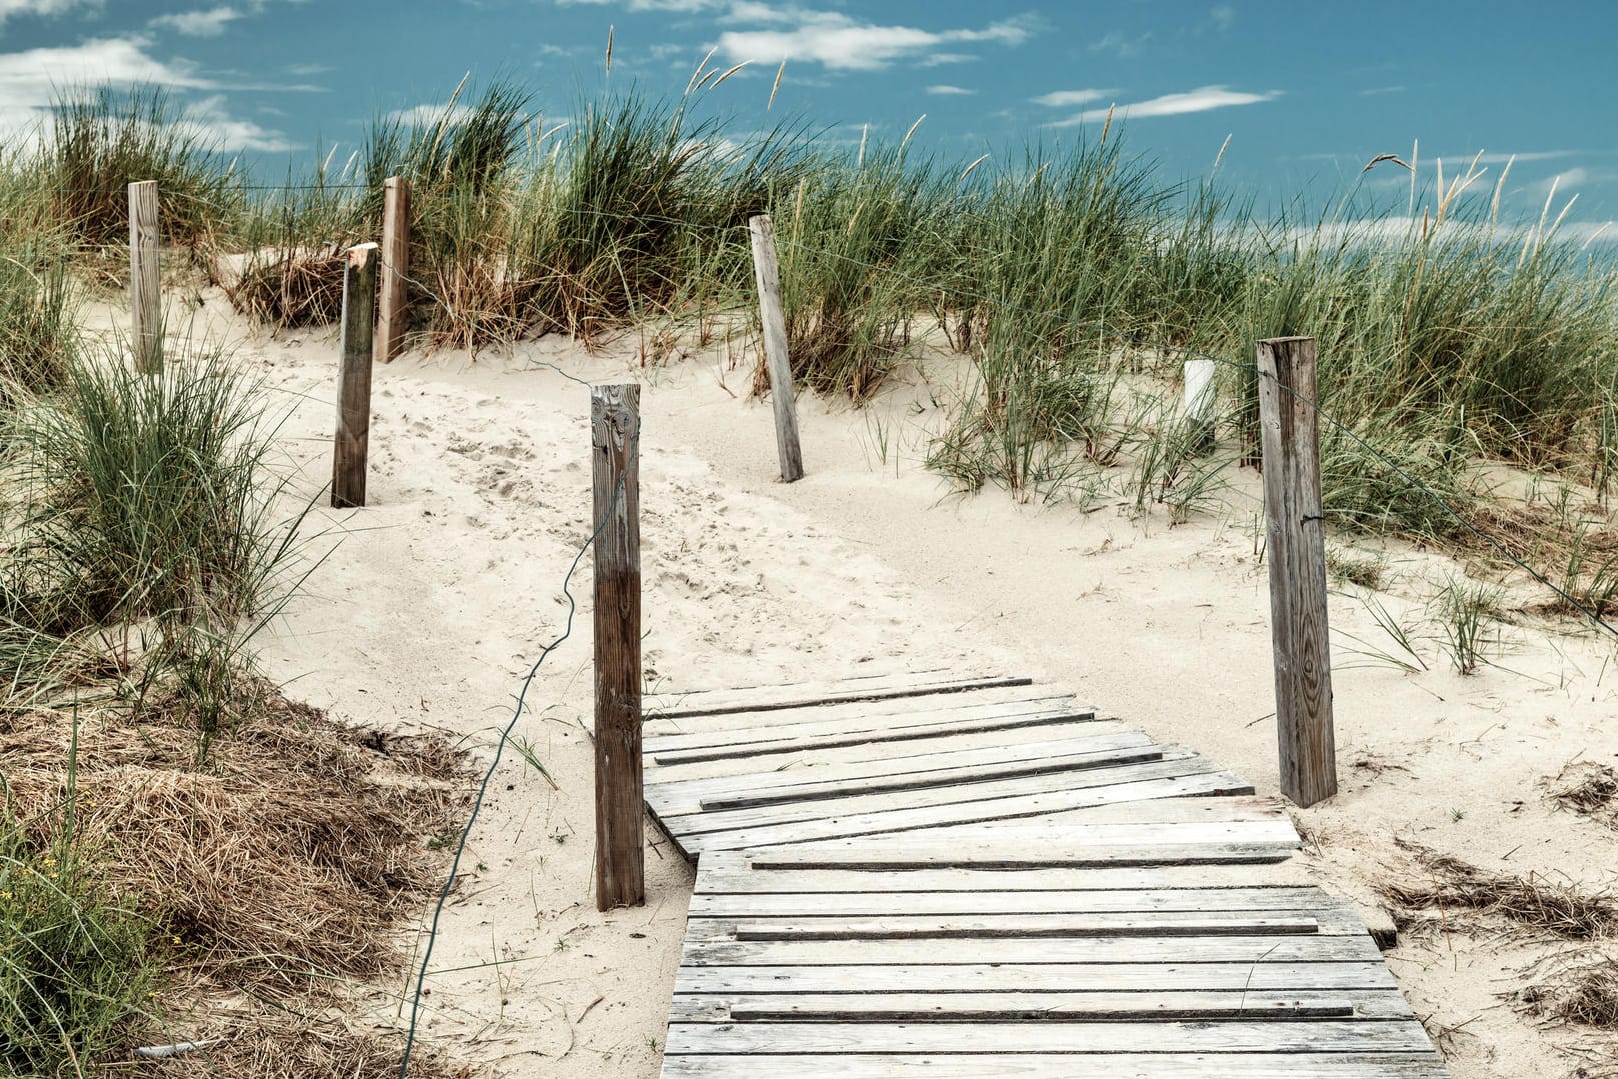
(1024, 1007)
(1028, 926)
(1157, 781)
(867, 753)
(819, 767)
(692, 748)
(1123, 767)
(991, 845)
(1237, 1036)
(945, 705)
(879, 904)
(1265, 974)
(937, 777)
(1281, 949)
(1424, 1065)
(724, 871)
(875, 687)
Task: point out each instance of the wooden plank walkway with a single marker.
(943, 876)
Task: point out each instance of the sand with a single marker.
(433, 601)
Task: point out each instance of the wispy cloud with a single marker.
(945, 90)
(652, 5)
(1223, 16)
(210, 23)
(1072, 99)
(840, 42)
(1202, 99)
(211, 118)
(1378, 91)
(45, 8)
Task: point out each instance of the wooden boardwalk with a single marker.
(932, 875)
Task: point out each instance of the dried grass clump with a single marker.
(289, 853)
(1587, 788)
(291, 288)
(281, 1043)
(1531, 902)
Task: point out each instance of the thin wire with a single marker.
(505, 735)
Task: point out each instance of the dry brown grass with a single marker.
(289, 288)
(282, 865)
(1451, 886)
(1586, 788)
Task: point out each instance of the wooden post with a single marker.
(145, 282)
(1290, 430)
(620, 835)
(395, 265)
(354, 379)
(1199, 405)
(766, 270)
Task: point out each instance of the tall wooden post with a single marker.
(353, 437)
(395, 265)
(766, 270)
(145, 281)
(1290, 430)
(620, 835)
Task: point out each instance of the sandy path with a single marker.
(442, 591)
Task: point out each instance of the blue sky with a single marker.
(1306, 93)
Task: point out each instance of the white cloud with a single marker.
(1072, 99)
(210, 23)
(1224, 16)
(33, 79)
(1202, 99)
(944, 90)
(210, 118)
(428, 115)
(839, 42)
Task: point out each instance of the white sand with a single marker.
(441, 593)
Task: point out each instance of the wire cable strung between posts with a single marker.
(505, 735)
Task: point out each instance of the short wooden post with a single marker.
(395, 266)
(353, 437)
(1290, 431)
(620, 835)
(1199, 405)
(145, 281)
(766, 270)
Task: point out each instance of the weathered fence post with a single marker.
(354, 379)
(620, 835)
(395, 265)
(1290, 431)
(1199, 405)
(766, 270)
(145, 281)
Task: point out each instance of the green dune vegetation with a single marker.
(149, 537)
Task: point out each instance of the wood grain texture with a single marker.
(353, 438)
(620, 833)
(1297, 556)
(1237, 1036)
(982, 1065)
(145, 278)
(1028, 1007)
(810, 694)
(392, 303)
(766, 271)
(1264, 975)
